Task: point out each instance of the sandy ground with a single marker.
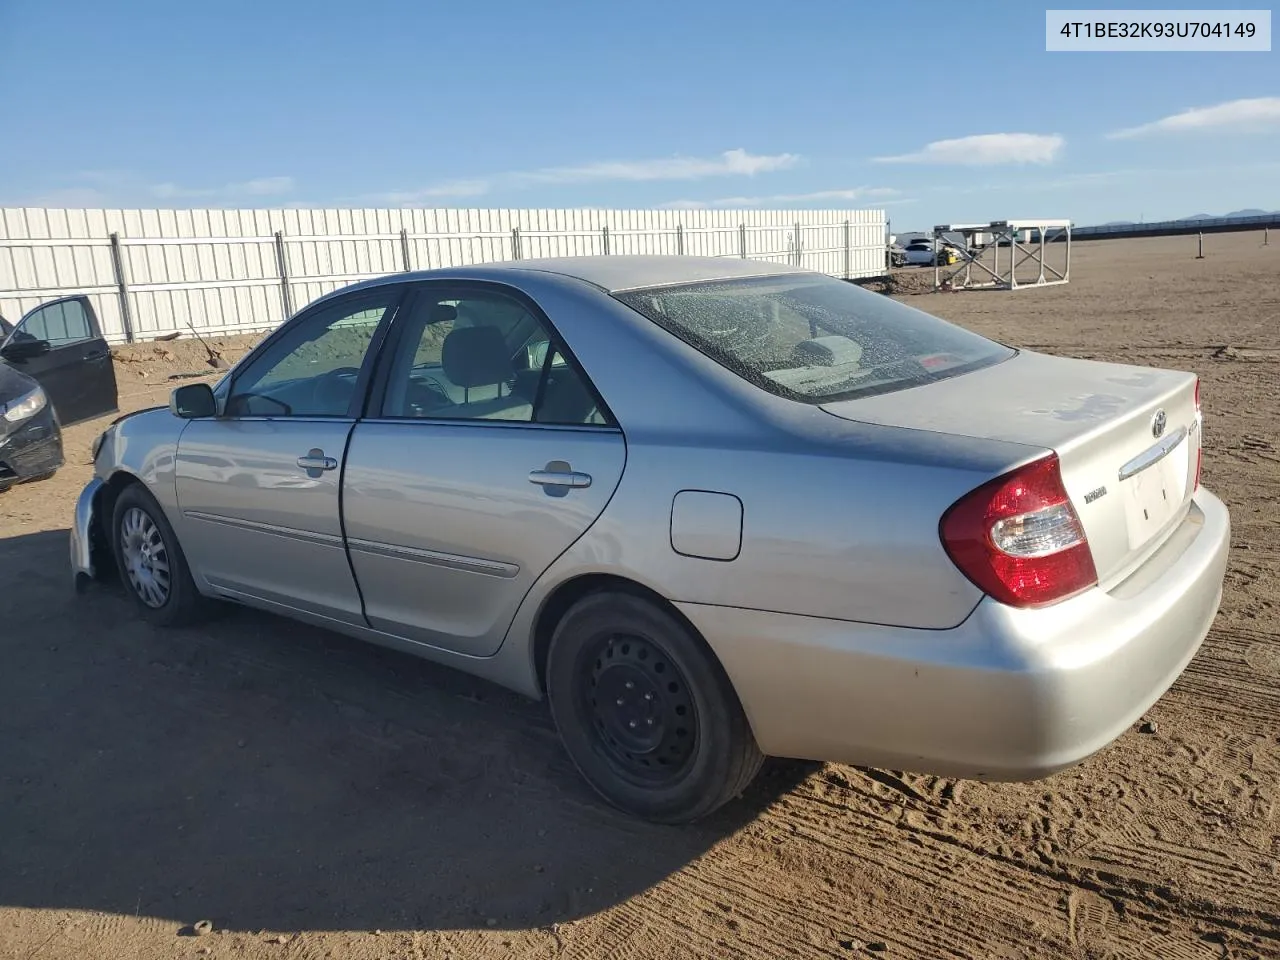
(314, 797)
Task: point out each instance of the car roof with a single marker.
(609, 273)
(629, 271)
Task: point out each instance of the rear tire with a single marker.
(151, 563)
(645, 710)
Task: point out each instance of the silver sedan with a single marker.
(711, 509)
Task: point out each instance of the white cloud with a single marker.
(117, 188)
(786, 199)
(450, 190)
(730, 163)
(820, 196)
(65, 197)
(986, 149)
(1241, 116)
(259, 187)
(262, 187)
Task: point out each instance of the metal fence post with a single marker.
(742, 240)
(1200, 246)
(282, 264)
(798, 254)
(848, 252)
(404, 250)
(604, 232)
(515, 243)
(680, 239)
(117, 265)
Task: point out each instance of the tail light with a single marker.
(1019, 539)
(1199, 438)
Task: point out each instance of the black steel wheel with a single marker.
(642, 708)
(645, 710)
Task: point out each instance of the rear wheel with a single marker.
(645, 710)
(151, 563)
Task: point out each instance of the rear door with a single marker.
(486, 454)
(60, 345)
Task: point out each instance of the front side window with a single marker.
(313, 369)
(58, 324)
(484, 356)
(814, 338)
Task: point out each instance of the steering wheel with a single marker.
(332, 390)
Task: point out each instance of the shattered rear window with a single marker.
(812, 337)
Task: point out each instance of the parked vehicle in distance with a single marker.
(711, 509)
(55, 370)
(927, 252)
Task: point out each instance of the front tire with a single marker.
(152, 566)
(645, 710)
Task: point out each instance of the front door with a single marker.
(487, 454)
(60, 345)
(258, 485)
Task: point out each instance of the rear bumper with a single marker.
(1007, 695)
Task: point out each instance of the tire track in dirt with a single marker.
(1131, 889)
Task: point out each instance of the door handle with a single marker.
(316, 460)
(97, 355)
(559, 478)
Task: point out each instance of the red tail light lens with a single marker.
(1019, 539)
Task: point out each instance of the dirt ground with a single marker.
(314, 797)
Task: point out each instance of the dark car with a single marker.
(55, 370)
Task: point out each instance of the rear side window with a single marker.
(814, 338)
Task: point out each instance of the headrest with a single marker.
(442, 313)
(476, 357)
(826, 352)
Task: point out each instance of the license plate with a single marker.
(1155, 495)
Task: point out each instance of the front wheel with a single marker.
(151, 563)
(645, 710)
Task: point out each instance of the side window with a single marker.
(58, 324)
(565, 397)
(313, 369)
(483, 356)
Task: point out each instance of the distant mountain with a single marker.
(1118, 223)
(1251, 212)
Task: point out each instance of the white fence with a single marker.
(156, 272)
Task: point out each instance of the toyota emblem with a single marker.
(1157, 424)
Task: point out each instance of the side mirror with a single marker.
(192, 401)
(23, 349)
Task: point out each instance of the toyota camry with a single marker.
(710, 509)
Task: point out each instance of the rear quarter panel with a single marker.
(840, 530)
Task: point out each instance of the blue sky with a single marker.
(502, 104)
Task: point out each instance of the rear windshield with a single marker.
(814, 338)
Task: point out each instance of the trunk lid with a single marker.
(1128, 439)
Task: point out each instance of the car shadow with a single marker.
(263, 774)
